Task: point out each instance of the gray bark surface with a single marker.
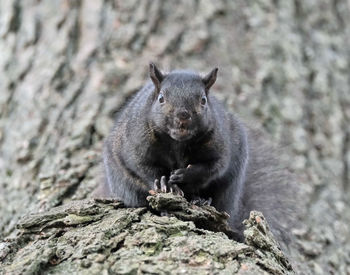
(67, 66)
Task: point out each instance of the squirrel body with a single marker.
(175, 131)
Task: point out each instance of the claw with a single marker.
(209, 201)
(156, 185)
(163, 184)
(195, 201)
(201, 202)
(177, 190)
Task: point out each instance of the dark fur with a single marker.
(229, 162)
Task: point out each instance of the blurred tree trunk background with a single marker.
(67, 66)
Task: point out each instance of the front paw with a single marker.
(163, 186)
(178, 176)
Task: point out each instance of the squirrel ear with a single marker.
(155, 75)
(210, 79)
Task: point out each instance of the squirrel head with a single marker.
(181, 107)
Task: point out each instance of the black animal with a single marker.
(174, 136)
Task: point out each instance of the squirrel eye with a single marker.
(203, 100)
(161, 98)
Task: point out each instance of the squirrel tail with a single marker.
(271, 189)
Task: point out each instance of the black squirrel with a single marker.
(175, 136)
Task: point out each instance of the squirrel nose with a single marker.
(183, 115)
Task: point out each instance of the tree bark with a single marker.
(67, 66)
(100, 236)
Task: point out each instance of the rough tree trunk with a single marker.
(66, 67)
